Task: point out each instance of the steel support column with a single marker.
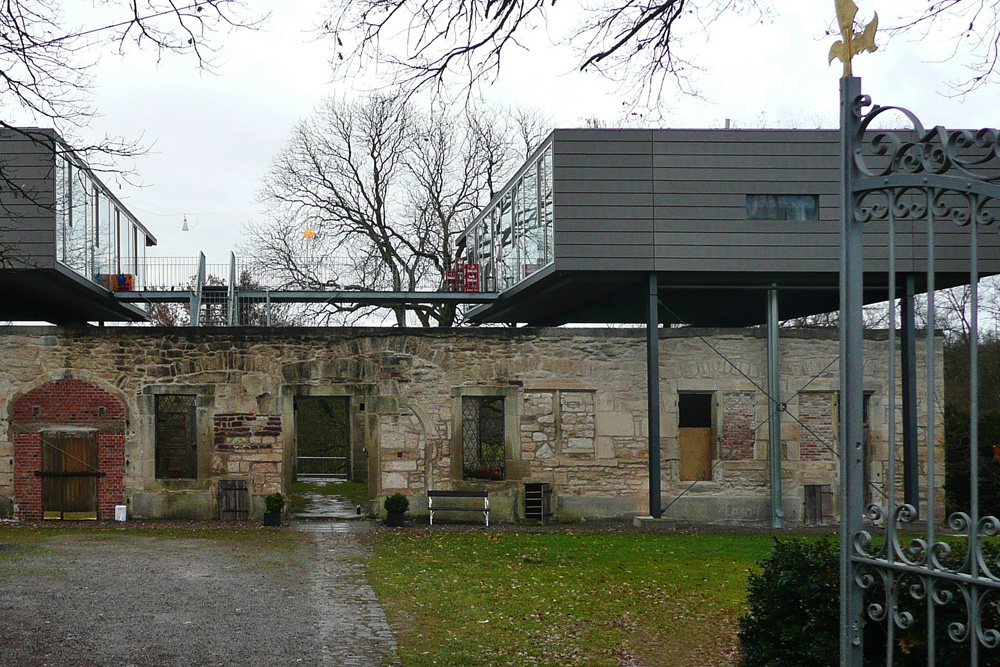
(908, 368)
(197, 291)
(653, 394)
(774, 408)
(851, 374)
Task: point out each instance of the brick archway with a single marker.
(57, 406)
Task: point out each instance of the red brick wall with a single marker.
(67, 402)
(738, 408)
(817, 435)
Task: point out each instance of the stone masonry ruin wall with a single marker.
(574, 410)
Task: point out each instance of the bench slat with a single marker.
(458, 494)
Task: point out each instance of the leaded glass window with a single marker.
(483, 451)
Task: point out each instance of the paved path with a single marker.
(319, 506)
(352, 627)
(100, 597)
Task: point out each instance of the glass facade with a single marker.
(95, 236)
(513, 237)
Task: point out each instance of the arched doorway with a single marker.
(69, 451)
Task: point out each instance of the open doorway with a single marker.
(323, 438)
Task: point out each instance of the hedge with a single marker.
(793, 616)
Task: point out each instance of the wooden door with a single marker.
(69, 475)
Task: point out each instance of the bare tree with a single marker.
(636, 42)
(370, 195)
(629, 40)
(46, 64)
(971, 26)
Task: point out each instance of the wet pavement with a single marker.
(351, 622)
(335, 508)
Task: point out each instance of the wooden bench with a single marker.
(459, 495)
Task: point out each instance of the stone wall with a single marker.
(574, 410)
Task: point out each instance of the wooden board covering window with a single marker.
(696, 454)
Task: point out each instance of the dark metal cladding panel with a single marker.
(27, 218)
(603, 196)
(679, 197)
(702, 179)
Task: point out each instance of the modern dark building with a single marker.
(719, 217)
(66, 242)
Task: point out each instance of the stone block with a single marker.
(399, 465)
(394, 480)
(579, 445)
(615, 423)
(604, 448)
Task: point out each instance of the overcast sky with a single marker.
(212, 135)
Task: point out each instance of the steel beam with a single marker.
(908, 378)
(319, 296)
(196, 294)
(774, 408)
(653, 394)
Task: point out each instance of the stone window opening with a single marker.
(695, 435)
(483, 438)
(176, 437)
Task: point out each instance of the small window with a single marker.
(782, 207)
(176, 437)
(483, 449)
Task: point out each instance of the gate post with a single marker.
(851, 374)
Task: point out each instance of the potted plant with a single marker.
(395, 507)
(273, 503)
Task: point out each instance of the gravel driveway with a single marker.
(172, 597)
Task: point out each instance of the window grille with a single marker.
(176, 437)
(483, 450)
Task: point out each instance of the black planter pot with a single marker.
(272, 519)
(394, 518)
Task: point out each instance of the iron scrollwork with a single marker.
(928, 176)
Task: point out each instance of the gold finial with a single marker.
(853, 42)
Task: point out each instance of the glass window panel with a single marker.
(121, 232)
(77, 236)
(105, 262)
(546, 203)
(533, 241)
(62, 206)
(782, 207)
(505, 244)
(801, 207)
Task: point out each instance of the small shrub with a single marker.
(793, 614)
(274, 502)
(397, 502)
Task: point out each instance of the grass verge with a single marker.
(563, 598)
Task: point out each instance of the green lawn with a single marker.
(563, 598)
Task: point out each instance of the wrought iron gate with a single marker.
(921, 183)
